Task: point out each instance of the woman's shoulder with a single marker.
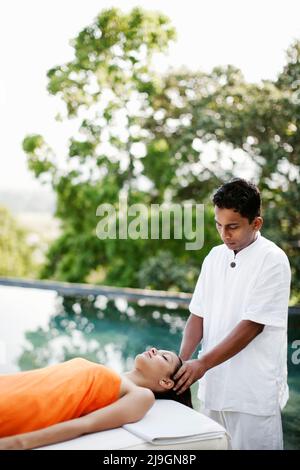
(127, 386)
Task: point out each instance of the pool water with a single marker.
(39, 328)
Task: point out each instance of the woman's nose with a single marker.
(154, 350)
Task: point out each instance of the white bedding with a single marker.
(167, 425)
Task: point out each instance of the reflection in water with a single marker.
(291, 415)
(111, 332)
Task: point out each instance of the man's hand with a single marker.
(188, 373)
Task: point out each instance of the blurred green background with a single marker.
(156, 137)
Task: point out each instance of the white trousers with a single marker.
(250, 432)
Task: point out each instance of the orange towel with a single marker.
(39, 398)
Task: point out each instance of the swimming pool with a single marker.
(41, 327)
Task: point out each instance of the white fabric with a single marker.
(257, 288)
(177, 424)
(168, 425)
(250, 432)
(120, 439)
(111, 439)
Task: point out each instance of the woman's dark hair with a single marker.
(241, 196)
(184, 398)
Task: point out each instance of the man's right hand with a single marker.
(189, 372)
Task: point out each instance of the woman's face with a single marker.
(158, 365)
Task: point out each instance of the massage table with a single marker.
(167, 425)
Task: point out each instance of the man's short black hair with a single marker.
(240, 195)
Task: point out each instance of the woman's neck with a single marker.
(137, 378)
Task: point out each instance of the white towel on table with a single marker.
(170, 422)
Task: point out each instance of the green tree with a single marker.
(254, 124)
(15, 253)
(182, 133)
(107, 88)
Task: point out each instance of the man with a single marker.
(239, 311)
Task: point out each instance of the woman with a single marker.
(64, 401)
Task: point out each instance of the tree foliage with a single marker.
(16, 256)
(171, 137)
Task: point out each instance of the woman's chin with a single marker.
(139, 359)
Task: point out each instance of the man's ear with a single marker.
(167, 384)
(258, 222)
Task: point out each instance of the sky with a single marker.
(34, 36)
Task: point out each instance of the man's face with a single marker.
(235, 230)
